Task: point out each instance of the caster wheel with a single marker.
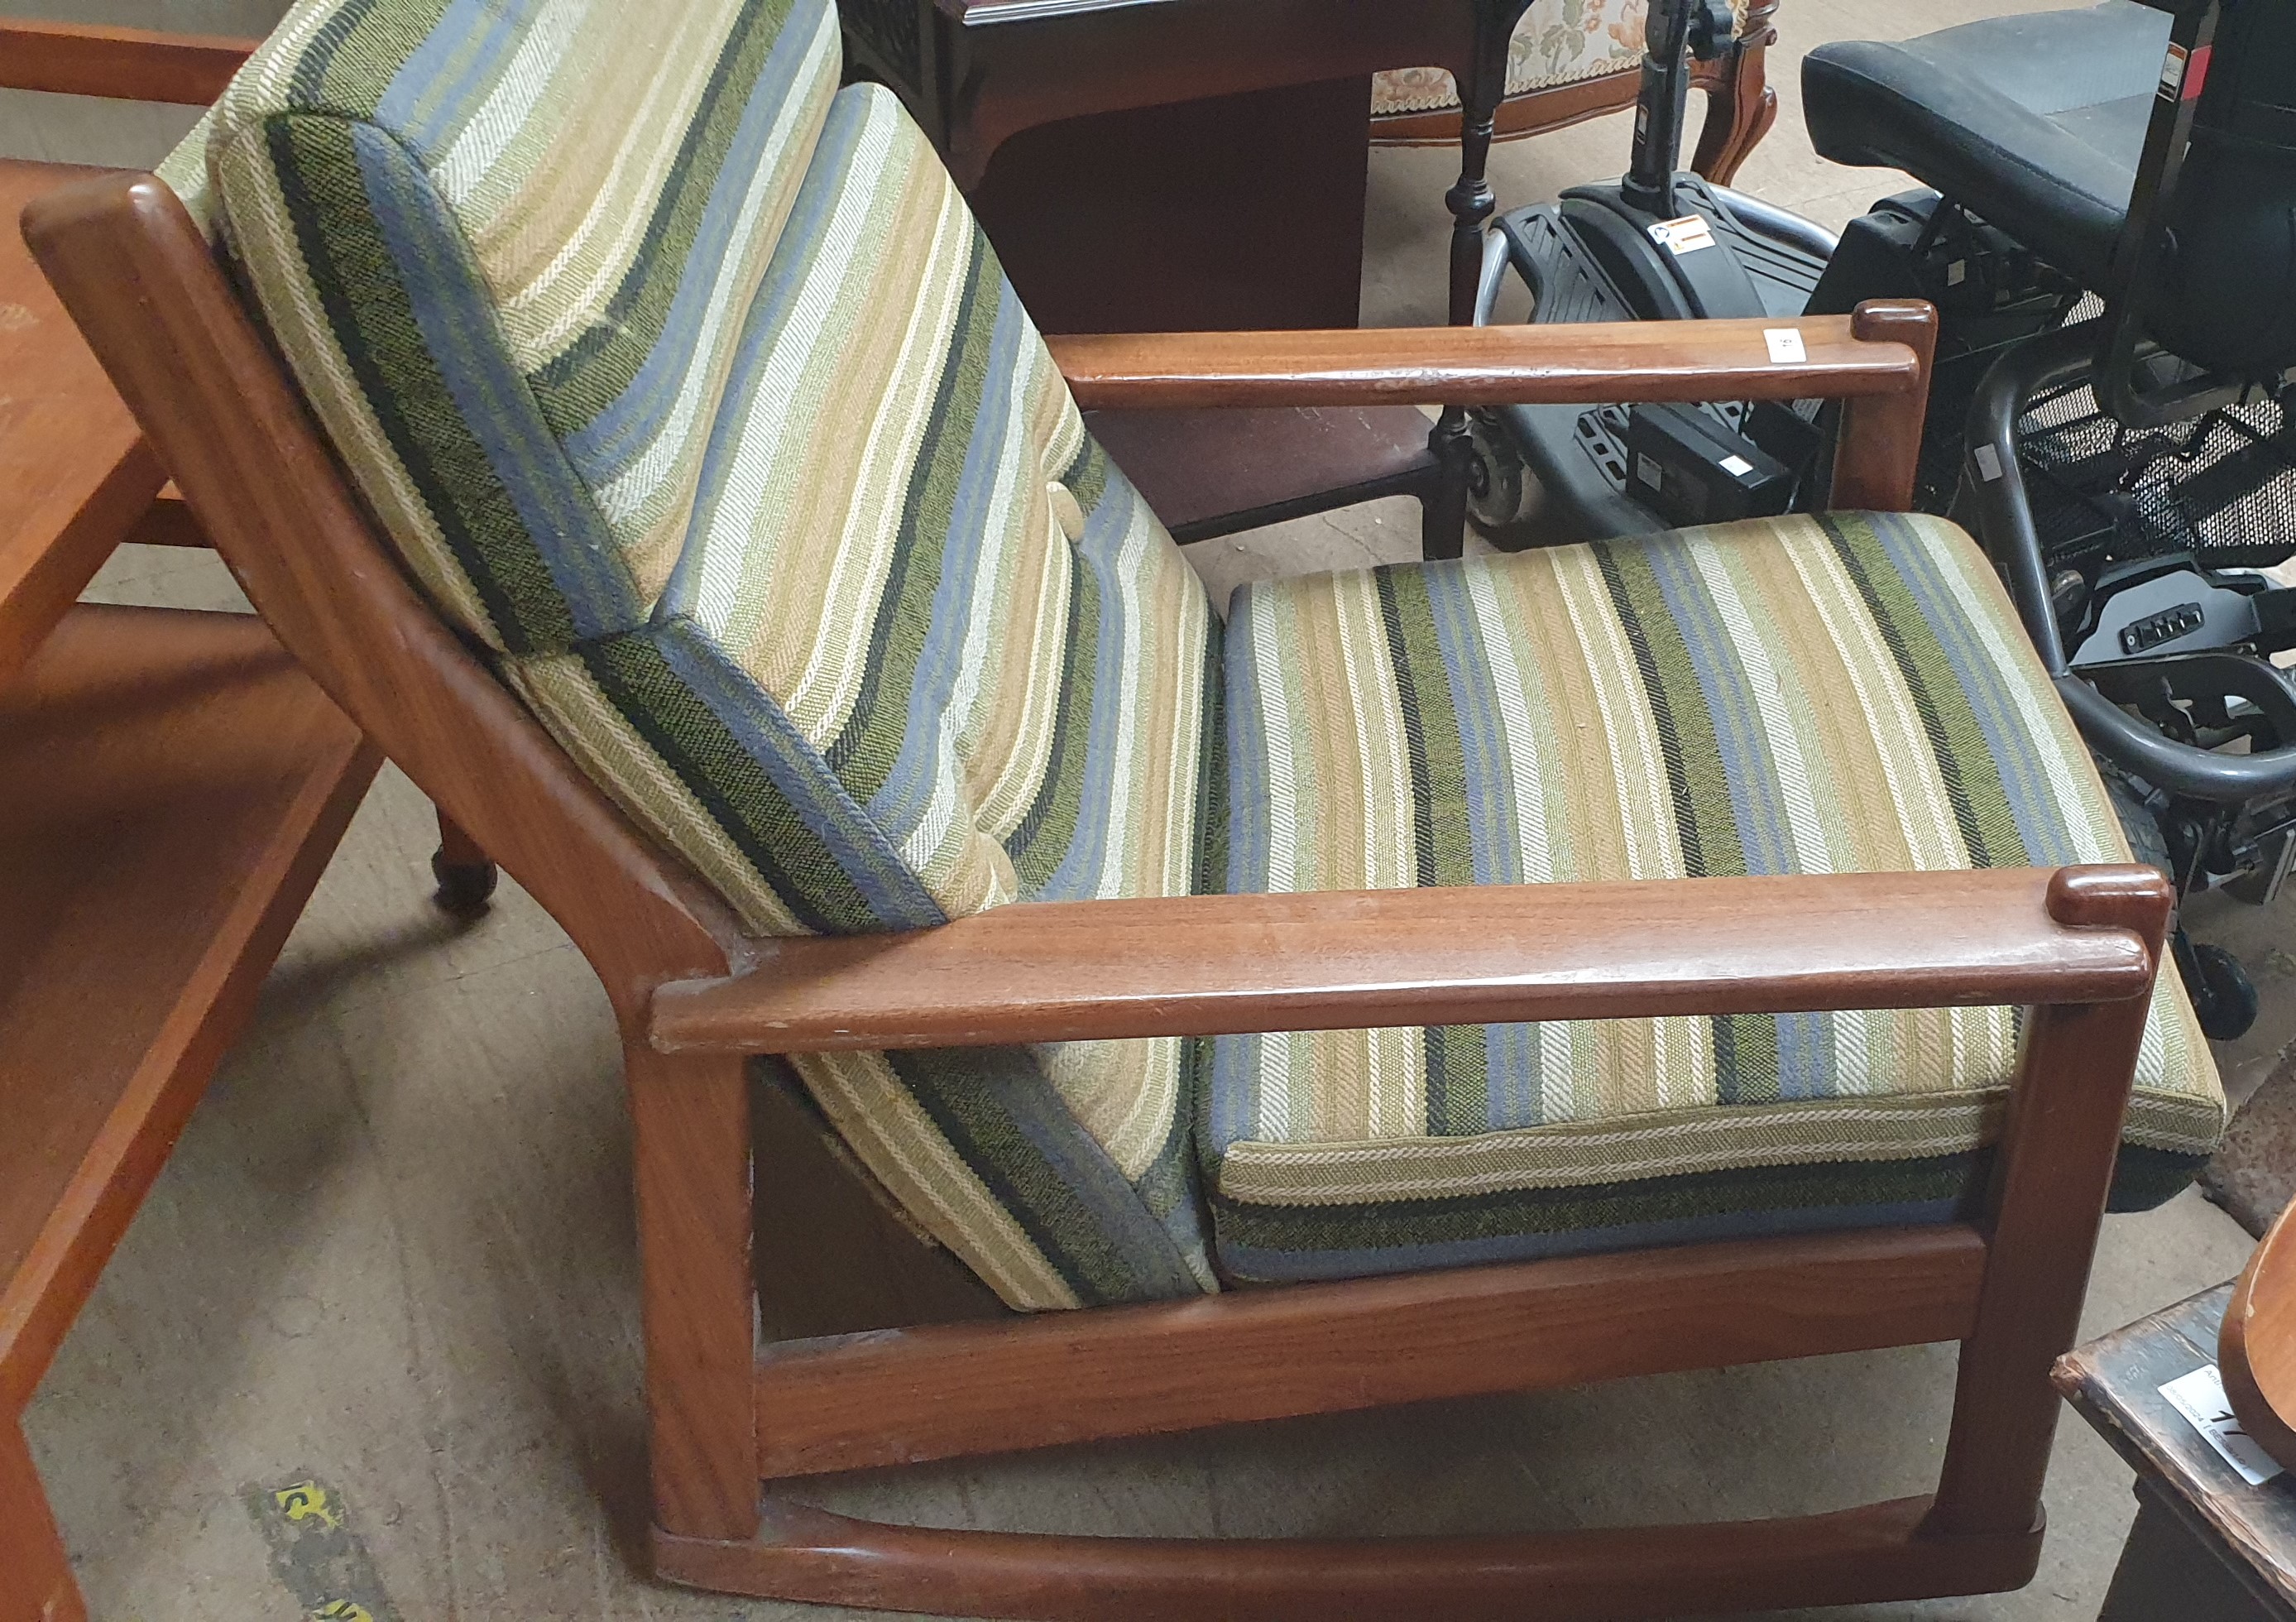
(2224, 998)
(465, 888)
(1502, 495)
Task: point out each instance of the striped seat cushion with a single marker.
(1793, 696)
(685, 382)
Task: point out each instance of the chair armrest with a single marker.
(124, 64)
(1876, 360)
(1592, 363)
(1203, 965)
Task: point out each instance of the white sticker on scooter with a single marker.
(1988, 461)
(1687, 234)
(1737, 467)
(1785, 345)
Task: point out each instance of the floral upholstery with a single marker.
(1558, 42)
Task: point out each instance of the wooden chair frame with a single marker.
(694, 1000)
(1740, 106)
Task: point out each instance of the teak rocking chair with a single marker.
(699, 990)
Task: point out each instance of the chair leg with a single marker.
(465, 873)
(1443, 501)
(1470, 198)
(2053, 1172)
(36, 1577)
(691, 1120)
(1443, 510)
(1740, 106)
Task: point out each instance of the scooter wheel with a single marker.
(2224, 998)
(1500, 490)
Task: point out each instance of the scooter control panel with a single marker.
(2177, 610)
(2166, 626)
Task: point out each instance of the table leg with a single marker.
(36, 1577)
(2169, 1568)
(1234, 212)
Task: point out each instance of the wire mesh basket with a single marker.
(2221, 486)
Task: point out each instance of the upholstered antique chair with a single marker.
(1444, 979)
(1569, 60)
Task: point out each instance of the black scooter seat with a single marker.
(2035, 123)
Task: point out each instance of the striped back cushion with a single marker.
(688, 384)
(926, 651)
(507, 246)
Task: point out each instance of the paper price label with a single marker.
(1786, 349)
(2199, 1397)
(1687, 234)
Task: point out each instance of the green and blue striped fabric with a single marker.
(1784, 697)
(509, 249)
(686, 382)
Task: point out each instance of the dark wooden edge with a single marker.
(2255, 1347)
(1880, 1552)
(1208, 965)
(2113, 1382)
(1010, 65)
(1527, 363)
(862, 1401)
(123, 64)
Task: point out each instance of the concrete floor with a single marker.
(393, 1253)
